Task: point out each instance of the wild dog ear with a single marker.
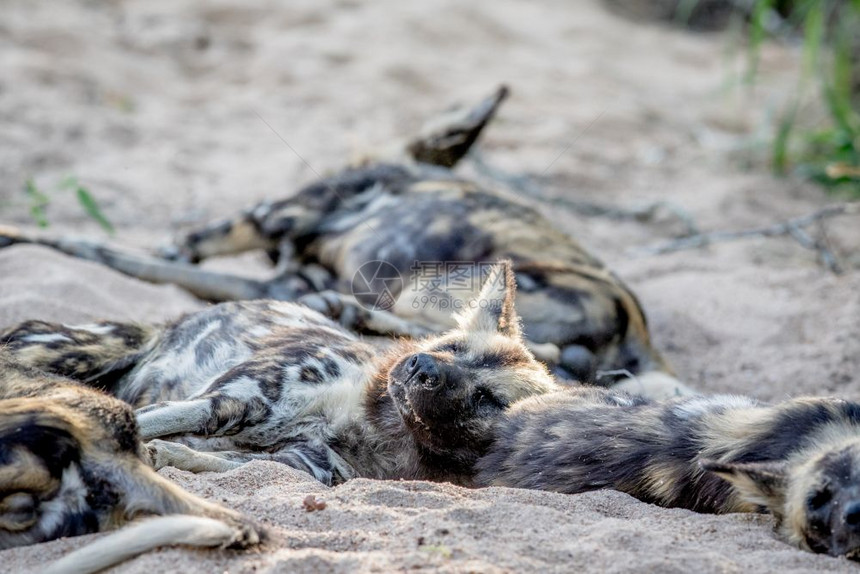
(762, 483)
(493, 311)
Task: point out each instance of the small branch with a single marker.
(794, 228)
(525, 184)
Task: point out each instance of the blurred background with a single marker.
(630, 124)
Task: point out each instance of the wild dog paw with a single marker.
(18, 511)
(165, 453)
(325, 303)
(248, 533)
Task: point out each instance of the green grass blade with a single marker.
(88, 203)
(38, 202)
(779, 152)
(758, 32)
(813, 36)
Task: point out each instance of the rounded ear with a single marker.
(762, 483)
(493, 311)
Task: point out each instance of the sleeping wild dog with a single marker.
(798, 460)
(71, 463)
(278, 381)
(578, 317)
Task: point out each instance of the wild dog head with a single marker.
(450, 389)
(815, 495)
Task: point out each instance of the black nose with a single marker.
(852, 515)
(421, 369)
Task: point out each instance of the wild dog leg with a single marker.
(225, 287)
(149, 493)
(268, 226)
(205, 284)
(22, 478)
(213, 415)
(292, 283)
(353, 316)
(220, 415)
(143, 536)
(234, 401)
(316, 459)
(166, 453)
(225, 237)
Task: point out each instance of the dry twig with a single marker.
(794, 228)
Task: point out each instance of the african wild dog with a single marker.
(278, 381)
(799, 459)
(71, 463)
(578, 317)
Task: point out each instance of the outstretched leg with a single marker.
(294, 283)
(290, 284)
(215, 414)
(205, 284)
(182, 529)
(240, 398)
(317, 460)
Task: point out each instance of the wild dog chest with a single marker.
(266, 371)
(258, 348)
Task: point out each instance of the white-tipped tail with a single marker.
(142, 537)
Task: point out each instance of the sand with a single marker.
(156, 108)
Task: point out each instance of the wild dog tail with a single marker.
(182, 529)
(97, 353)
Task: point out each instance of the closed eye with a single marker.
(452, 347)
(819, 499)
(482, 398)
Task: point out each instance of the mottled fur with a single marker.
(71, 463)
(578, 317)
(799, 459)
(274, 380)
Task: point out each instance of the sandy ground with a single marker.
(158, 108)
